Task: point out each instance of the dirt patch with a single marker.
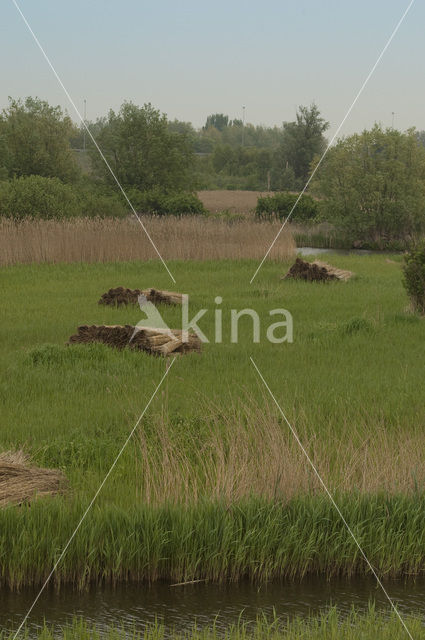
(19, 482)
(316, 271)
(122, 296)
(152, 340)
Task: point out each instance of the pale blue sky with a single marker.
(195, 57)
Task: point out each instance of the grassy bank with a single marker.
(212, 484)
(328, 626)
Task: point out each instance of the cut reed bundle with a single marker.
(123, 295)
(316, 271)
(157, 341)
(20, 482)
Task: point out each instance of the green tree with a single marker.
(142, 151)
(373, 185)
(183, 128)
(217, 120)
(301, 141)
(35, 140)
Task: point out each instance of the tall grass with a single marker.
(328, 625)
(247, 449)
(103, 240)
(253, 539)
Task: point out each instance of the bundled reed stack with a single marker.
(316, 271)
(21, 483)
(152, 340)
(123, 296)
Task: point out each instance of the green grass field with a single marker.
(353, 375)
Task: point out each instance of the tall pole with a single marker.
(392, 123)
(84, 129)
(243, 125)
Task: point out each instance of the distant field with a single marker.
(235, 201)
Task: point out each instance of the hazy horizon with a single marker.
(193, 59)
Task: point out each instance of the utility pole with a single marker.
(392, 123)
(243, 125)
(84, 127)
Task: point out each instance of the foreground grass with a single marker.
(328, 626)
(200, 491)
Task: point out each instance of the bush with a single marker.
(37, 197)
(95, 202)
(414, 276)
(49, 198)
(177, 204)
(280, 206)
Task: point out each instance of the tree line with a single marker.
(370, 186)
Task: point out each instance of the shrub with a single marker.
(177, 204)
(49, 198)
(414, 276)
(280, 206)
(37, 197)
(104, 205)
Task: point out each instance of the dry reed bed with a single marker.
(249, 451)
(104, 240)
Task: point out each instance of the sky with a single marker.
(190, 58)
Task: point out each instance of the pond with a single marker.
(312, 251)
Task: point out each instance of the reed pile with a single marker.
(156, 341)
(316, 271)
(21, 483)
(340, 274)
(119, 296)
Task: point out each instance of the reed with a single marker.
(105, 240)
(254, 539)
(248, 450)
(329, 624)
